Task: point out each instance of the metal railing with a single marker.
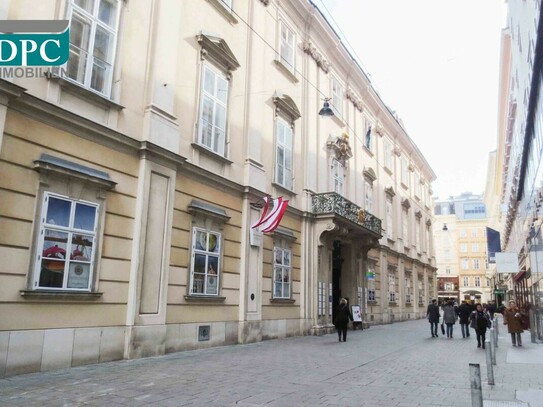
(331, 202)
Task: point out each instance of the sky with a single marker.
(436, 63)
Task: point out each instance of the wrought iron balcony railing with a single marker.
(331, 202)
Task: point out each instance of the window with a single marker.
(463, 248)
(93, 39)
(417, 184)
(475, 247)
(465, 264)
(474, 233)
(281, 273)
(370, 274)
(337, 97)
(417, 233)
(421, 292)
(286, 47)
(213, 110)
(405, 172)
(67, 243)
(205, 265)
(405, 228)
(283, 154)
(477, 281)
(488, 282)
(476, 264)
(368, 195)
(465, 281)
(337, 176)
(392, 288)
(449, 286)
(368, 138)
(388, 155)
(408, 290)
(389, 217)
(447, 270)
(463, 233)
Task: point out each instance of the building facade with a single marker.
(461, 251)
(518, 158)
(131, 181)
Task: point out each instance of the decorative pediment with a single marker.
(354, 98)
(322, 62)
(215, 48)
(369, 174)
(428, 223)
(411, 166)
(390, 191)
(397, 151)
(286, 105)
(405, 203)
(418, 214)
(379, 128)
(341, 148)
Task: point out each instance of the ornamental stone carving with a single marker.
(340, 148)
(353, 97)
(322, 62)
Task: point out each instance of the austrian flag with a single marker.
(268, 222)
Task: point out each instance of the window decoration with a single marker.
(338, 175)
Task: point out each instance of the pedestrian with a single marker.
(464, 312)
(491, 308)
(512, 317)
(449, 318)
(432, 313)
(341, 320)
(480, 321)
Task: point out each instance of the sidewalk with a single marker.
(398, 365)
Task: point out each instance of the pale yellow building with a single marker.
(130, 182)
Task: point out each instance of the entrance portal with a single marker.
(336, 276)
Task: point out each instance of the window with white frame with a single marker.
(416, 180)
(474, 233)
(475, 247)
(94, 27)
(283, 154)
(287, 47)
(368, 138)
(281, 272)
(421, 292)
(449, 286)
(389, 217)
(447, 270)
(337, 97)
(213, 109)
(465, 281)
(392, 287)
(428, 241)
(463, 248)
(486, 263)
(465, 264)
(388, 155)
(405, 172)
(463, 233)
(205, 265)
(368, 195)
(417, 234)
(405, 226)
(67, 244)
(338, 176)
(477, 281)
(488, 282)
(408, 292)
(370, 275)
(476, 265)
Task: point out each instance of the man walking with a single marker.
(464, 311)
(432, 313)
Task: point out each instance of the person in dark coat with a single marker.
(341, 320)
(432, 313)
(464, 311)
(449, 318)
(512, 317)
(480, 321)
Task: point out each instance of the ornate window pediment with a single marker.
(390, 192)
(405, 203)
(340, 148)
(369, 174)
(418, 214)
(428, 223)
(285, 104)
(215, 48)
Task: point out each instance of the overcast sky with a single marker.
(436, 63)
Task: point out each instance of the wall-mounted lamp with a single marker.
(445, 228)
(326, 109)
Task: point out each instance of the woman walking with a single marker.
(449, 318)
(341, 320)
(480, 321)
(512, 317)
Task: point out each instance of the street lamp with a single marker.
(445, 228)
(326, 109)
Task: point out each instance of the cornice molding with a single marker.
(319, 58)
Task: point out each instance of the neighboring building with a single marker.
(129, 187)
(519, 156)
(461, 249)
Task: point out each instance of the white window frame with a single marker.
(417, 234)
(336, 90)
(407, 281)
(215, 144)
(338, 177)
(70, 231)
(421, 292)
(368, 195)
(94, 24)
(449, 287)
(463, 248)
(475, 247)
(287, 46)
(282, 273)
(476, 264)
(405, 226)
(477, 281)
(388, 155)
(392, 288)
(465, 281)
(405, 172)
(389, 209)
(465, 264)
(447, 270)
(211, 279)
(284, 139)
(416, 177)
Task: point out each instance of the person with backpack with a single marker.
(480, 321)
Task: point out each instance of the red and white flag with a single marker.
(268, 222)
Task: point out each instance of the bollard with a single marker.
(532, 324)
(492, 345)
(475, 383)
(495, 339)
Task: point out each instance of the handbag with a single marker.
(442, 329)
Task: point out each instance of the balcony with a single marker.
(332, 203)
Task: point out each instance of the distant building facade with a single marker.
(130, 186)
